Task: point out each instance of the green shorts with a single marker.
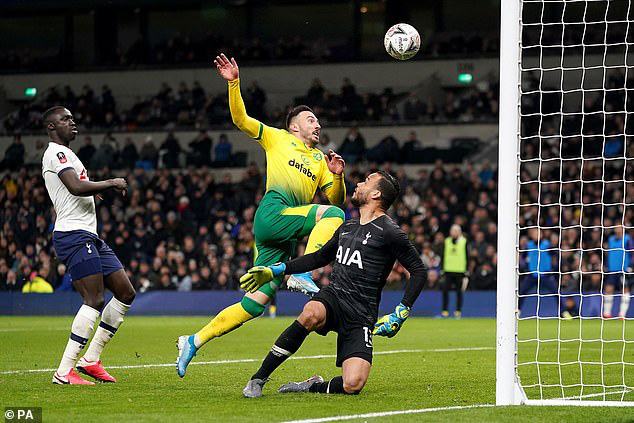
(277, 228)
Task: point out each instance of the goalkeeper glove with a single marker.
(390, 325)
(259, 275)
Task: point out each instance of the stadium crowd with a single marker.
(192, 229)
(190, 106)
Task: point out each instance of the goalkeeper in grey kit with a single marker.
(363, 251)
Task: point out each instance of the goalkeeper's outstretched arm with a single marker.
(312, 261)
(259, 275)
(406, 254)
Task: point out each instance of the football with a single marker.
(402, 41)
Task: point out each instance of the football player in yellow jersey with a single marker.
(295, 169)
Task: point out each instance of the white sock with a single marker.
(80, 332)
(608, 300)
(625, 304)
(111, 319)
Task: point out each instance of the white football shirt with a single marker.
(73, 212)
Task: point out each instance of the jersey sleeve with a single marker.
(319, 258)
(406, 254)
(332, 185)
(255, 129)
(56, 162)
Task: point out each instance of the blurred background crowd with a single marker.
(190, 229)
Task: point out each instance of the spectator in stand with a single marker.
(325, 143)
(222, 152)
(37, 283)
(353, 146)
(315, 94)
(385, 151)
(129, 154)
(410, 147)
(105, 155)
(148, 156)
(64, 281)
(87, 151)
(35, 155)
(413, 108)
(255, 100)
(14, 154)
(169, 152)
(200, 146)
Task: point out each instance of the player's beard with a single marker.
(357, 199)
(309, 137)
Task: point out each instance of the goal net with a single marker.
(566, 208)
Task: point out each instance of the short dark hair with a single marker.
(47, 114)
(389, 187)
(294, 112)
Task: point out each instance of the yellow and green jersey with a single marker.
(293, 169)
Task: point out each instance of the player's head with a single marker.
(59, 124)
(618, 231)
(379, 187)
(455, 231)
(302, 122)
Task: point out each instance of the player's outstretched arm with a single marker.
(406, 254)
(89, 188)
(259, 275)
(335, 189)
(228, 69)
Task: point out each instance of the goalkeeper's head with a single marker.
(379, 187)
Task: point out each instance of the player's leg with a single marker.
(251, 306)
(625, 298)
(355, 374)
(111, 318)
(446, 286)
(354, 356)
(91, 289)
(457, 281)
(610, 282)
(320, 222)
(313, 317)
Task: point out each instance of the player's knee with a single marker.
(127, 297)
(333, 212)
(252, 306)
(96, 301)
(312, 316)
(353, 384)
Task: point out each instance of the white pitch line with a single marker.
(252, 360)
(600, 394)
(388, 413)
(32, 329)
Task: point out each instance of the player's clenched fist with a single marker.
(120, 185)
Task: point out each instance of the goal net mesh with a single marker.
(576, 200)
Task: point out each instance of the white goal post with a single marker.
(566, 203)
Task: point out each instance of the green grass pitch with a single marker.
(435, 363)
